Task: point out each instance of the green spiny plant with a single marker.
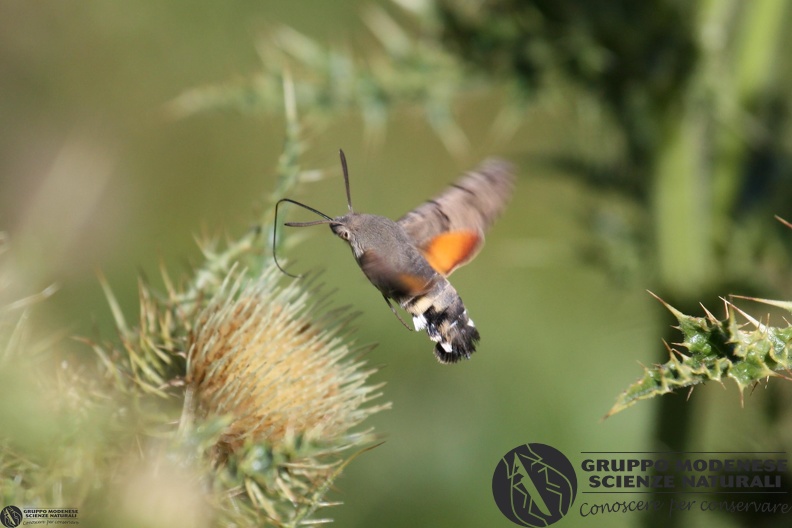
(232, 400)
(716, 350)
(406, 68)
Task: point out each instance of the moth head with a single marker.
(351, 228)
(364, 232)
(342, 231)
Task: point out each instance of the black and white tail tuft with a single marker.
(451, 328)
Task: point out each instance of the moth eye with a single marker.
(345, 235)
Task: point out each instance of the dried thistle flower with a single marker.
(288, 384)
(257, 356)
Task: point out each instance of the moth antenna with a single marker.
(326, 220)
(346, 179)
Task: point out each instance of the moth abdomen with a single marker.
(453, 331)
(447, 323)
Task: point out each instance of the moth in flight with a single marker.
(409, 260)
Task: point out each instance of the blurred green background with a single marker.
(96, 175)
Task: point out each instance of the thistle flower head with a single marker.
(272, 361)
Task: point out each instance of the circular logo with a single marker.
(10, 516)
(534, 485)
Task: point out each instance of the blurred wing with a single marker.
(449, 229)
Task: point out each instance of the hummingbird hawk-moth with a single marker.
(408, 260)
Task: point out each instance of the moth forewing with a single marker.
(449, 229)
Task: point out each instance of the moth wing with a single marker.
(449, 229)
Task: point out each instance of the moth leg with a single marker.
(397, 314)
